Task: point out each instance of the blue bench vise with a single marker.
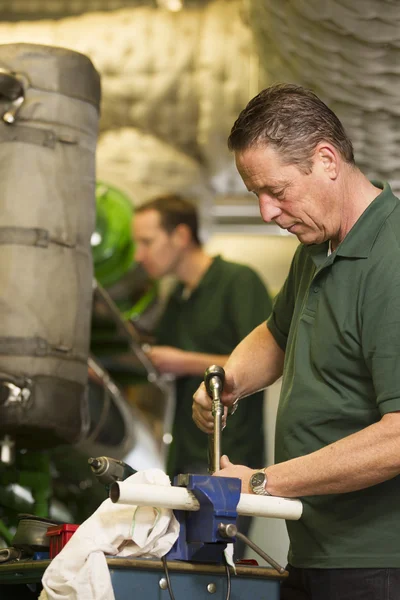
(199, 539)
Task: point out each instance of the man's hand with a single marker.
(167, 359)
(228, 469)
(201, 408)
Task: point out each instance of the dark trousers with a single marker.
(341, 584)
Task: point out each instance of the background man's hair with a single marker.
(174, 210)
(292, 120)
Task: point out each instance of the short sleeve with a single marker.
(380, 326)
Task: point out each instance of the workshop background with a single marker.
(176, 73)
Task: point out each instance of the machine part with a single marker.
(127, 328)
(211, 588)
(111, 241)
(179, 498)
(47, 158)
(214, 379)
(110, 418)
(31, 534)
(169, 587)
(12, 91)
(7, 554)
(165, 383)
(228, 580)
(7, 450)
(116, 429)
(11, 393)
(10, 116)
(108, 470)
(5, 533)
(231, 531)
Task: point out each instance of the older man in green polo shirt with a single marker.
(334, 335)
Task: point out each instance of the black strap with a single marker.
(24, 236)
(36, 346)
(29, 135)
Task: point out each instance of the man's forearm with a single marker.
(361, 460)
(256, 362)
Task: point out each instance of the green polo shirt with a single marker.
(338, 319)
(229, 302)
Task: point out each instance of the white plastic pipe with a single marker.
(180, 498)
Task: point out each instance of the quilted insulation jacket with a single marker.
(49, 112)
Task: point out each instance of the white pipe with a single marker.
(180, 498)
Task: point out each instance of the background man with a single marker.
(334, 334)
(215, 304)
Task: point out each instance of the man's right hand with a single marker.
(202, 404)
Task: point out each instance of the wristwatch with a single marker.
(258, 483)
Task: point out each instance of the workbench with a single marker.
(145, 579)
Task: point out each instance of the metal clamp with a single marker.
(12, 88)
(16, 394)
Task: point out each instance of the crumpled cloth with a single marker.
(80, 571)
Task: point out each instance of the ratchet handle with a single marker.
(214, 379)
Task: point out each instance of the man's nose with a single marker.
(269, 211)
(139, 255)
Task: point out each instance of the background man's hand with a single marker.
(167, 359)
(228, 469)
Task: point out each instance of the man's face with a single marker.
(158, 251)
(295, 201)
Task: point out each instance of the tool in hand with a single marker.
(214, 379)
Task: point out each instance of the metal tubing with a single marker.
(214, 378)
(180, 498)
(217, 412)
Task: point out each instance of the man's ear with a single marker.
(182, 235)
(327, 159)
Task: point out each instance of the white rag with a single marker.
(80, 570)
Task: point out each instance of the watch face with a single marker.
(258, 479)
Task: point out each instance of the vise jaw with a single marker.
(199, 539)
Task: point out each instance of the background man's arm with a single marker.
(168, 359)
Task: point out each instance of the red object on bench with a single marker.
(59, 536)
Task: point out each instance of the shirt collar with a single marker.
(207, 279)
(361, 237)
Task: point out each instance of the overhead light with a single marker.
(171, 5)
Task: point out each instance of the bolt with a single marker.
(163, 583)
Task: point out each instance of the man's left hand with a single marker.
(228, 469)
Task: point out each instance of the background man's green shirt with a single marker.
(338, 320)
(229, 302)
